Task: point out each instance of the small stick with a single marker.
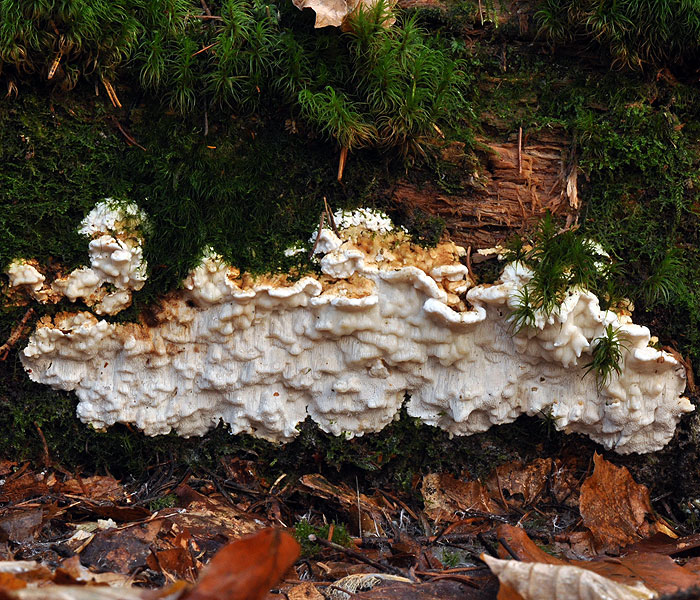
(318, 234)
(215, 17)
(357, 556)
(111, 93)
(204, 49)
(47, 458)
(508, 549)
(469, 265)
(520, 151)
(54, 65)
(15, 335)
(129, 139)
(331, 218)
(341, 162)
(205, 7)
(481, 13)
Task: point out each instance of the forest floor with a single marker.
(71, 537)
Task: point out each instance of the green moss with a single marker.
(303, 529)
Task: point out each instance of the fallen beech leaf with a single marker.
(538, 581)
(515, 478)
(523, 547)
(614, 508)
(371, 513)
(247, 568)
(95, 488)
(444, 496)
(305, 591)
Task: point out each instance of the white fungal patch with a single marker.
(116, 258)
(385, 319)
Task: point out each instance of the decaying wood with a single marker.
(509, 191)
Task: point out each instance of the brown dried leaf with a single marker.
(95, 488)
(72, 572)
(371, 513)
(515, 478)
(614, 508)
(21, 525)
(24, 485)
(247, 568)
(122, 550)
(305, 591)
(444, 497)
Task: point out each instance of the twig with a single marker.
(341, 162)
(15, 335)
(520, 151)
(47, 457)
(54, 65)
(205, 17)
(318, 234)
(357, 556)
(508, 549)
(469, 265)
(331, 218)
(205, 7)
(481, 13)
(453, 576)
(204, 49)
(111, 93)
(129, 139)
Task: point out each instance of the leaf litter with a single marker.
(547, 529)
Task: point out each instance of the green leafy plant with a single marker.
(665, 280)
(559, 260)
(607, 352)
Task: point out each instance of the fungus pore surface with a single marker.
(385, 320)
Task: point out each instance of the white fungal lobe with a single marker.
(385, 319)
(116, 258)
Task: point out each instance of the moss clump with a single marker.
(634, 33)
(303, 529)
(372, 86)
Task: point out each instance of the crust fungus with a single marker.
(385, 319)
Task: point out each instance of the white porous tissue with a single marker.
(116, 258)
(385, 319)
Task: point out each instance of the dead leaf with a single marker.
(94, 488)
(537, 581)
(371, 513)
(122, 550)
(445, 497)
(21, 525)
(305, 591)
(334, 13)
(9, 582)
(529, 481)
(72, 572)
(614, 508)
(247, 568)
(22, 486)
(655, 571)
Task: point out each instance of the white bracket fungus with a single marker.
(116, 258)
(385, 319)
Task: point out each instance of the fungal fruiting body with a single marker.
(384, 319)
